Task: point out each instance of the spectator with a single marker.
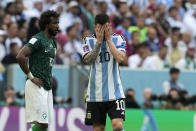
(123, 12)
(2, 47)
(12, 37)
(162, 24)
(147, 99)
(185, 41)
(130, 99)
(11, 57)
(11, 9)
(152, 5)
(19, 14)
(189, 62)
(133, 46)
(172, 83)
(174, 18)
(189, 23)
(37, 9)
(88, 12)
(175, 52)
(141, 28)
(23, 35)
(152, 40)
(134, 14)
(174, 100)
(161, 60)
(33, 27)
(10, 95)
(73, 48)
(86, 33)
(71, 17)
(142, 59)
(6, 20)
(174, 31)
(124, 28)
(181, 10)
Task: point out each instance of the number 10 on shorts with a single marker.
(120, 105)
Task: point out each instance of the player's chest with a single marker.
(48, 48)
(104, 54)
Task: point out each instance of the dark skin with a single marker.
(50, 31)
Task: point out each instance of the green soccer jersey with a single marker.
(43, 51)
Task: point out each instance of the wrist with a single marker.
(109, 41)
(99, 41)
(30, 76)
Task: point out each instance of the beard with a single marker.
(53, 32)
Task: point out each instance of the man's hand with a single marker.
(108, 31)
(37, 81)
(99, 30)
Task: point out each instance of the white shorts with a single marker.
(39, 104)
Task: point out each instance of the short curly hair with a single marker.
(45, 18)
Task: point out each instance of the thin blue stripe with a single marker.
(120, 47)
(93, 73)
(115, 40)
(116, 84)
(115, 79)
(104, 64)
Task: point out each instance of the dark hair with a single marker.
(143, 45)
(174, 70)
(21, 23)
(69, 28)
(12, 45)
(32, 28)
(130, 89)
(172, 8)
(174, 29)
(46, 18)
(101, 19)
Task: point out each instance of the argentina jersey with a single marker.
(104, 80)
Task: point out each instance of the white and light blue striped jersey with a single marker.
(104, 81)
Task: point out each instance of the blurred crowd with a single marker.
(160, 34)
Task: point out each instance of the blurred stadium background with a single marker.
(158, 77)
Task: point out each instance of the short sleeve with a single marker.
(33, 44)
(85, 47)
(121, 45)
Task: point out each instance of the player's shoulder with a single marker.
(118, 36)
(90, 37)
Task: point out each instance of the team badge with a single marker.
(86, 48)
(44, 115)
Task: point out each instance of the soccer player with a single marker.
(41, 50)
(104, 51)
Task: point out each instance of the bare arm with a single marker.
(117, 54)
(21, 58)
(91, 56)
(22, 61)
